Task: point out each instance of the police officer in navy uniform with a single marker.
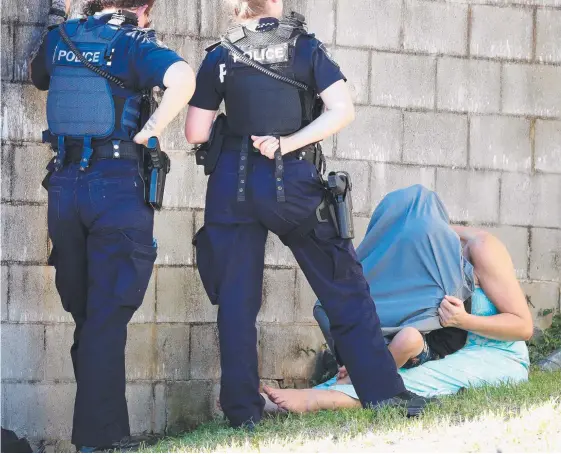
(255, 189)
(100, 226)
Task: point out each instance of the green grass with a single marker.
(525, 417)
(522, 417)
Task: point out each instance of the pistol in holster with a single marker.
(339, 187)
(156, 167)
(208, 153)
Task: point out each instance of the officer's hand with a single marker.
(267, 145)
(143, 136)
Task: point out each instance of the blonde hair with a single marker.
(248, 9)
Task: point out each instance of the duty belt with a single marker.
(111, 150)
(310, 153)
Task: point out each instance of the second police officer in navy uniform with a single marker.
(100, 226)
(256, 188)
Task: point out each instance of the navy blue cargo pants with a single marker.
(103, 252)
(230, 257)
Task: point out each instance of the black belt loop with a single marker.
(242, 169)
(279, 175)
(86, 153)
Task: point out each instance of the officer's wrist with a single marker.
(286, 145)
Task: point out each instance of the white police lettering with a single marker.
(222, 72)
(268, 55)
(70, 57)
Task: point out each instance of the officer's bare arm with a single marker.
(198, 124)
(339, 112)
(179, 81)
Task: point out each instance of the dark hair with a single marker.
(95, 6)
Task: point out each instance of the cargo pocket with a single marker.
(135, 275)
(207, 265)
(339, 253)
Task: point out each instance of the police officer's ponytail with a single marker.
(248, 9)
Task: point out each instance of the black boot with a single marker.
(413, 403)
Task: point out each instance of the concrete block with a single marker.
(38, 410)
(469, 196)
(305, 299)
(545, 255)
(543, 299)
(548, 146)
(23, 352)
(320, 16)
(278, 296)
(387, 178)
(216, 17)
(531, 200)
(468, 85)
(172, 352)
(360, 174)
(186, 182)
(24, 233)
(33, 295)
(375, 135)
(181, 297)
(548, 35)
(402, 80)
(437, 28)
(30, 161)
(147, 310)
(205, 352)
(6, 170)
(23, 112)
(516, 240)
(276, 253)
(159, 408)
(435, 138)
(501, 32)
(140, 352)
(355, 67)
(188, 404)
(501, 143)
(7, 51)
(178, 17)
(174, 231)
(59, 340)
(24, 11)
(531, 90)
(289, 351)
(378, 24)
(4, 292)
(140, 402)
(27, 39)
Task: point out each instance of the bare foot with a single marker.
(294, 400)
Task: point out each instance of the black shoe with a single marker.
(127, 444)
(413, 403)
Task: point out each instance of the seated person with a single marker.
(423, 274)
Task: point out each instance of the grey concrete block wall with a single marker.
(460, 96)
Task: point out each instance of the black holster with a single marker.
(207, 154)
(339, 186)
(156, 167)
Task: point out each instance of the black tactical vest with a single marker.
(81, 104)
(255, 102)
